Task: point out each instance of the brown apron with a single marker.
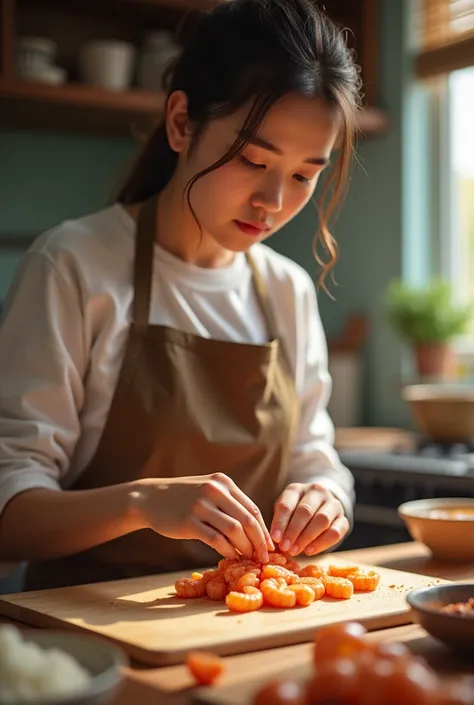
(183, 405)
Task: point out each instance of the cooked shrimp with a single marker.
(234, 572)
(312, 571)
(365, 582)
(189, 588)
(293, 566)
(216, 589)
(277, 596)
(249, 600)
(247, 579)
(342, 571)
(277, 571)
(280, 582)
(226, 563)
(315, 584)
(304, 594)
(212, 575)
(338, 588)
(205, 667)
(277, 559)
(196, 576)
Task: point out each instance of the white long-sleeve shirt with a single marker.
(63, 334)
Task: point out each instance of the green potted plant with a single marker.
(429, 320)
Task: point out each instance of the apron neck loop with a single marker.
(263, 297)
(143, 271)
(267, 309)
(143, 264)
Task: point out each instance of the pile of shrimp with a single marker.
(247, 585)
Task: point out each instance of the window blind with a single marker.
(446, 36)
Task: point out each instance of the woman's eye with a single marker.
(302, 179)
(251, 165)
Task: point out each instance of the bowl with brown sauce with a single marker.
(446, 612)
(445, 526)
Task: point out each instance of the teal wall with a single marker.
(46, 178)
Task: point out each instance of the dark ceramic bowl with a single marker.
(454, 630)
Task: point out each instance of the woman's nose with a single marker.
(269, 194)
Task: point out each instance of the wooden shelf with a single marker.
(75, 107)
(373, 122)
(80, 108)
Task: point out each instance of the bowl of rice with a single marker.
(57, 668)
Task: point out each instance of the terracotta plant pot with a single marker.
(435, 360)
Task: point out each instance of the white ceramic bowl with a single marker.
(104, 661)
(448, 537)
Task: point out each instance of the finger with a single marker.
(226, 525)
(223, 500)
(303, 514)
(212, 538)
(284, 508)
(330, 537)
(323, 518)
(252, 508)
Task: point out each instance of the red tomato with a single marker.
(339, 641)
(334, 681)
(392, 650)
(459, 693)
(416, 684)
(205, 667)
(281, 692)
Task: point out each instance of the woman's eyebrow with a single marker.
(260, 142)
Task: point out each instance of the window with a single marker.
(460, 182)
(445, 59)
(456, 188)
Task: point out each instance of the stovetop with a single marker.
(446, 459)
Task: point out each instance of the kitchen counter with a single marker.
(174, 686)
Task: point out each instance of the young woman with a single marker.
(163, 373)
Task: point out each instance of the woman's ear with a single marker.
(177, 123)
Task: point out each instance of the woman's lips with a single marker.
(252, 229)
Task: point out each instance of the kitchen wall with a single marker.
(46, 178)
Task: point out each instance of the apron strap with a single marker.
(143, 264)
(267, 309)
(263, 297)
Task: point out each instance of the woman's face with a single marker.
(258, 192)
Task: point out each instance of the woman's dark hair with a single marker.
(254, 52)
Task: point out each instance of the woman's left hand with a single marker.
(308, 518)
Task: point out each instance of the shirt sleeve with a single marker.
(42, 363)
(314, 458)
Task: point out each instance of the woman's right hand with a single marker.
(210, 508)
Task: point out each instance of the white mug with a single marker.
(107, 63)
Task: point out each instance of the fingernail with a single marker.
(310, 550)
(294, 550)
(264, 557)
(285, 545)
(271, 546)
(276, 535)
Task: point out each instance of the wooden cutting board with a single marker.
(144, 616)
